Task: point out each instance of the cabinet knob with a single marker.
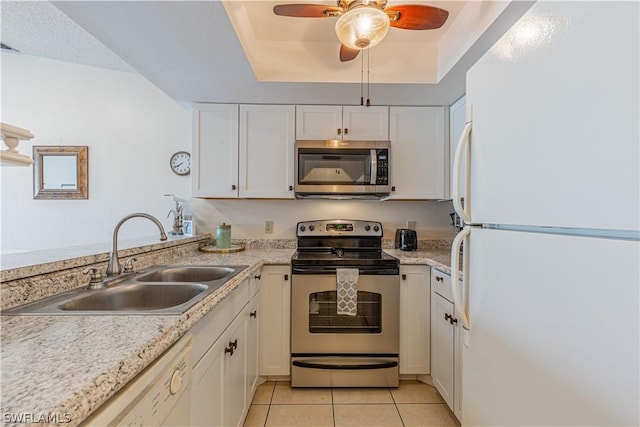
(258, 277)
(233, 186)
(453, 320)
(229, 349)
(439, 279)
(291, 188)
(286, 277)
(447, 316)
(393, 188)
(346, 131)
(234, 343)
(254, 313)
(404, 277)
(339, 131)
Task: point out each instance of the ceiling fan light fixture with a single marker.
(362, 27)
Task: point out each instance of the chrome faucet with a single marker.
(113, 269)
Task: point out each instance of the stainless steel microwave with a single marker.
(342, 169)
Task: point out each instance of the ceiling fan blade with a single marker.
(416, 17)
(306, 10)
(347, 54)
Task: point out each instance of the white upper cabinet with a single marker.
(243, 151)
(351, 123)
(266, 151)
(457, 118)
(215, 151)
(417, 137)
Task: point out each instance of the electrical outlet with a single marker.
(411, 225)
(268, 227)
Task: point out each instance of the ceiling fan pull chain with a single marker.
(361, 79)
(368, 100)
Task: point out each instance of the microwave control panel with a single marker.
(382, 164)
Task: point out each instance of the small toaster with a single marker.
(406, 239)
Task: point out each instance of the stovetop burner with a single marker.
(341, 243)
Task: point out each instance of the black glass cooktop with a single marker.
(338, 257)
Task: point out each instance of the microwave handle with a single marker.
(374, 167)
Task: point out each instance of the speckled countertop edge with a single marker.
(148, 337)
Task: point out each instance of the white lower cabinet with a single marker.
(253, 322)
(225, 374)
(446, 363)
(275, 325)
(414, 320)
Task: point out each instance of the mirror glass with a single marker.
(60, 172)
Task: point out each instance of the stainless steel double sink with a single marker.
(162, 289)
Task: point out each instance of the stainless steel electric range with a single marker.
(337, 350)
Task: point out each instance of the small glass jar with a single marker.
(223, 236)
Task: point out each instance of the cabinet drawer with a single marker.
(441, 284)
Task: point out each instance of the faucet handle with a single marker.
(95, 275)
(128, 265)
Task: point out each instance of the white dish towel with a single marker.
(347, 291)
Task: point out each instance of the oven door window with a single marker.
(323, 318)
(339, 168)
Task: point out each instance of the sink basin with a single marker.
(134, 297)
(164, 289)
(186, 274)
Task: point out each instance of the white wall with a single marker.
(131, 129)
(247, 216)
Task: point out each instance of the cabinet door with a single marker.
(415, 328)
(233, 373)
(418, 152)
(365, 123)
(266, 151)
(274, 335)
(207, 387)
(457, 117)
(215, 151)
(318, 122)
(253, 319)
(442, 345)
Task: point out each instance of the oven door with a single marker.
(317, 329)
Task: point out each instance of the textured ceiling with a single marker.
(39, 28)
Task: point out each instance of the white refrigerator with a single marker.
(550, 300)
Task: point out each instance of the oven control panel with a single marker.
(339, 227)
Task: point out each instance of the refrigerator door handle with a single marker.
(463, 143)
(455, 288)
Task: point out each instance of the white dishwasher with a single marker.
(159, 396)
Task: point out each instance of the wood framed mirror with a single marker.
(60, 172)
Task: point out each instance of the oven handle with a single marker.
(382, 365)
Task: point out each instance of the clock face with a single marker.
(181, 163)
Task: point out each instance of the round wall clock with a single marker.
(181, 163)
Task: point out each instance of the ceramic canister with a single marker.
(223, 236)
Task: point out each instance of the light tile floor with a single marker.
(276, 404)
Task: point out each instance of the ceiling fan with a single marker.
(363, 24)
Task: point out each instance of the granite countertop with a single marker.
(58, 365)
(436, 258)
